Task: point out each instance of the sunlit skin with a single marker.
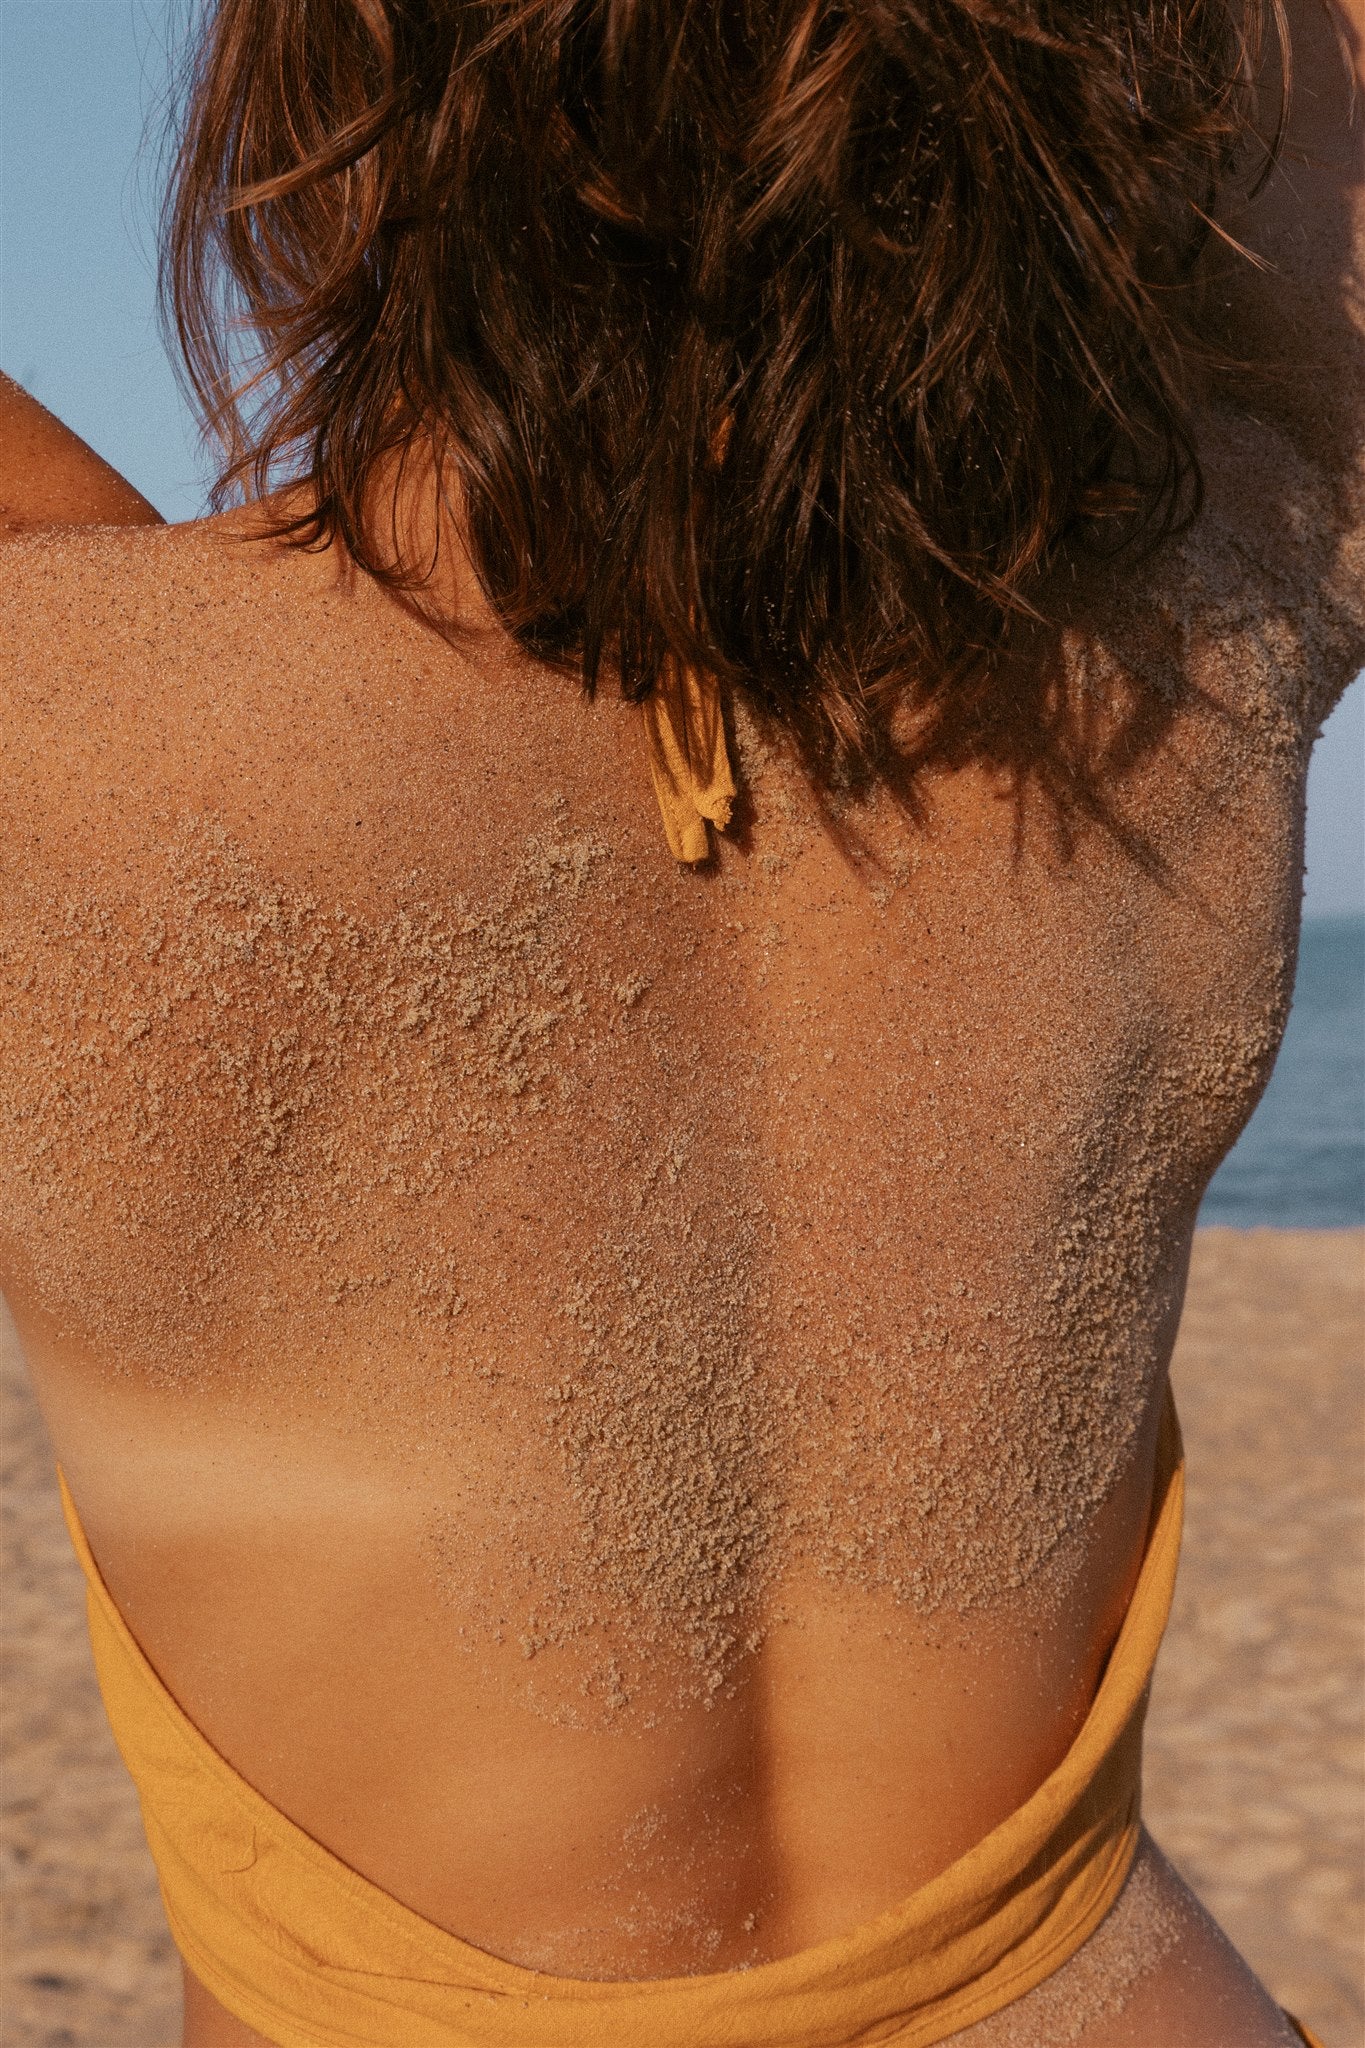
(852, 1760)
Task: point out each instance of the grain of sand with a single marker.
(1255, 1749)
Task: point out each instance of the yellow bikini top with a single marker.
(685, 730)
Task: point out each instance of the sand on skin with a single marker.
(1256, 1749)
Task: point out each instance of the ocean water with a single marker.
(1300, 1162)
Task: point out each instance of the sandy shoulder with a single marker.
(1256, 1742)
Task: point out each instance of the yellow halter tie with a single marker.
(688, 759)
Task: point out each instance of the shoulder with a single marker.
(156, 671)
(71, 685)
(119, 646)
(50, 477)
(73, 598)
(1263, 601)
(1278, 559)
(71, 532)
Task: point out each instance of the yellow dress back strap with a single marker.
(315, 1956)
(688, 759)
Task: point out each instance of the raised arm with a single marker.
(49, 477)
(1300, 315)
(1278, 564)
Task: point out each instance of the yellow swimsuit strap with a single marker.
(688, 758)
(313, 1955)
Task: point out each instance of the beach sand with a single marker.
(1255, 1760)
(1256, 1742)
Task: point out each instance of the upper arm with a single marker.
(1291, 509)
(49, 477)
(1294, 310)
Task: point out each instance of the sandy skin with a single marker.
(1056, 1275)
(1253, 1778)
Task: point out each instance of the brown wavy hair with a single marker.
(787, 336)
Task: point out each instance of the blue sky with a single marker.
(82, 84)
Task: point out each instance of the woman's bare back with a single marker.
(622, 1398)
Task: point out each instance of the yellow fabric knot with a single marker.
(688, 759)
